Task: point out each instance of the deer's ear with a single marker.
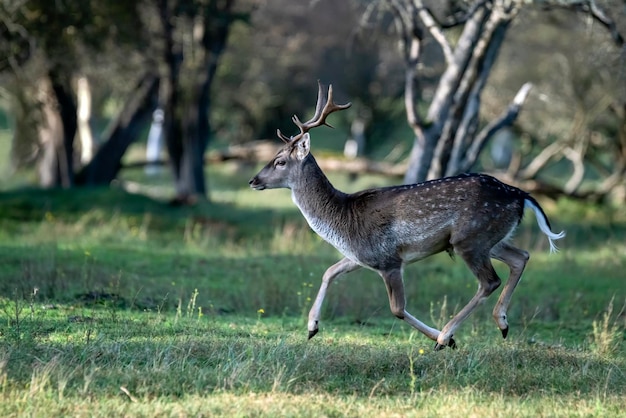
(303, 146)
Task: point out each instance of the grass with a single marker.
(117, 304)
(98, 360)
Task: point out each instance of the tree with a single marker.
(187, 39)
(449, 138)
(57, 114)
(186, 82)
(179, 44)
(121, 133)
(46, 45)
(573, 125)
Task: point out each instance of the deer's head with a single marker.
(284, 168)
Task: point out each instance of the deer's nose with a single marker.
(255, 184)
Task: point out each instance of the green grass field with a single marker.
(115, 304)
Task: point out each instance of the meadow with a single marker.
(117, 304)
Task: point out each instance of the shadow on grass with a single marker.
(33, 205)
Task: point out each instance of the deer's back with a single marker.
(411, 222)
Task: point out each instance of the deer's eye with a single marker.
(280, 163)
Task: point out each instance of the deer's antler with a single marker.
(324, 107)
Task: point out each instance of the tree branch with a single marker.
(410, 39)
(590, 7)
(466, 99)
(460, 19)
(435, 29)
(541, 160)
(451, 77)
(465, 134)
(506, 119)
(576, 157)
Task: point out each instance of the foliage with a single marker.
(276, 50)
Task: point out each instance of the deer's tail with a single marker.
(543, 222)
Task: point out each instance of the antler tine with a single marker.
(331, 107)
(322, 101)
(284, 138)
(319, 106)
(324, 107)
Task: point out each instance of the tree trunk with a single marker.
(83, 95)
(50, 133)
(169, 94)
(455, 105)
(187, 117)
(122, 132)
(56, 132)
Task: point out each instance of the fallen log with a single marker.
(263, 151)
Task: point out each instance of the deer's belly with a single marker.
(421, 239)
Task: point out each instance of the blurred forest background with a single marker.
(532, 91)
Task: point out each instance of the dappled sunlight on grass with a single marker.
(166, 359)
(117, 302)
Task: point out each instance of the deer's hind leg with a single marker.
(479, 263)
(516, 259)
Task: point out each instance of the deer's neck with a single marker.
(313, 193)
(322, 205)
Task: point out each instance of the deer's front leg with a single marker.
(345, 265)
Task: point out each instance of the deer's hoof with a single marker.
(451, 344)
(505, 332)
(312, 333)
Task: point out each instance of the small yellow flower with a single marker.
(421, 351)
(261, 311)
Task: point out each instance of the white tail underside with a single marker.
(543, 225)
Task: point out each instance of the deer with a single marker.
(384, 229)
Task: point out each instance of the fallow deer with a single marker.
(384, 229)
